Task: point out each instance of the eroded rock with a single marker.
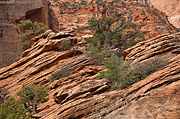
(11, 13)
(82, 95)
(160, 45)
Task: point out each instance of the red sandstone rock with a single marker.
(163, 44)
(82, 95)
(157, 96)
(78, 20)
(171, 8)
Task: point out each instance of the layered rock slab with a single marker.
(82, 95)
(43, 59)
(160, 45)
(157, 96)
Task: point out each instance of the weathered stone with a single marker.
(43, 59)
(153, 24)
(82, 95)
(11, 12)
(164, 44)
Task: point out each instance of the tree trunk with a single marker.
(26, 107)
(146, 2)
(34, 108)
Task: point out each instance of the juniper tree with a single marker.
(29, 29)
(31, 95)
(112, 29)
(12, 109)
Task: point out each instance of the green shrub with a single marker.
(31, 95)
(64, 44)
(62, 72)
(108, 35)
(111, 31)
(122, 75)
(96, 53)
(83, 2)
(29, 29)
(12, 109)
(74, 6)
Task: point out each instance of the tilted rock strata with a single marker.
(157, 96)
(81, 94)
(43, 59)
(163, 44)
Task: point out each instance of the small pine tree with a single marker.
(112, 29)
(32, 95)
(64, 44)
(29, 29)
(12, 109)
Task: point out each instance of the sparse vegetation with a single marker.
(12, 109)
(64, 44)
(62, 72)
(121, 74)
(3, 95)
(112, 31)
(16, 59)
(31, 95)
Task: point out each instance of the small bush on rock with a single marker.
(64, 44)
(3, 95)
(62, 72)
(121, 74)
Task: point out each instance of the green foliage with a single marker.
(112, 64)
(74, 6)
(68, 3)
(29, 29)
(12, 109)
(113, 30)
(83, 2)
(62, 72)
(109, 34)
(32, 95)
(61, 12)
(64, 44)
(121, 74)
(95, 52)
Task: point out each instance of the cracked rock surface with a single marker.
(82, 95)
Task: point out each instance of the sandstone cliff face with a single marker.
(82, 95)
(170, 7)
(11, 12)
